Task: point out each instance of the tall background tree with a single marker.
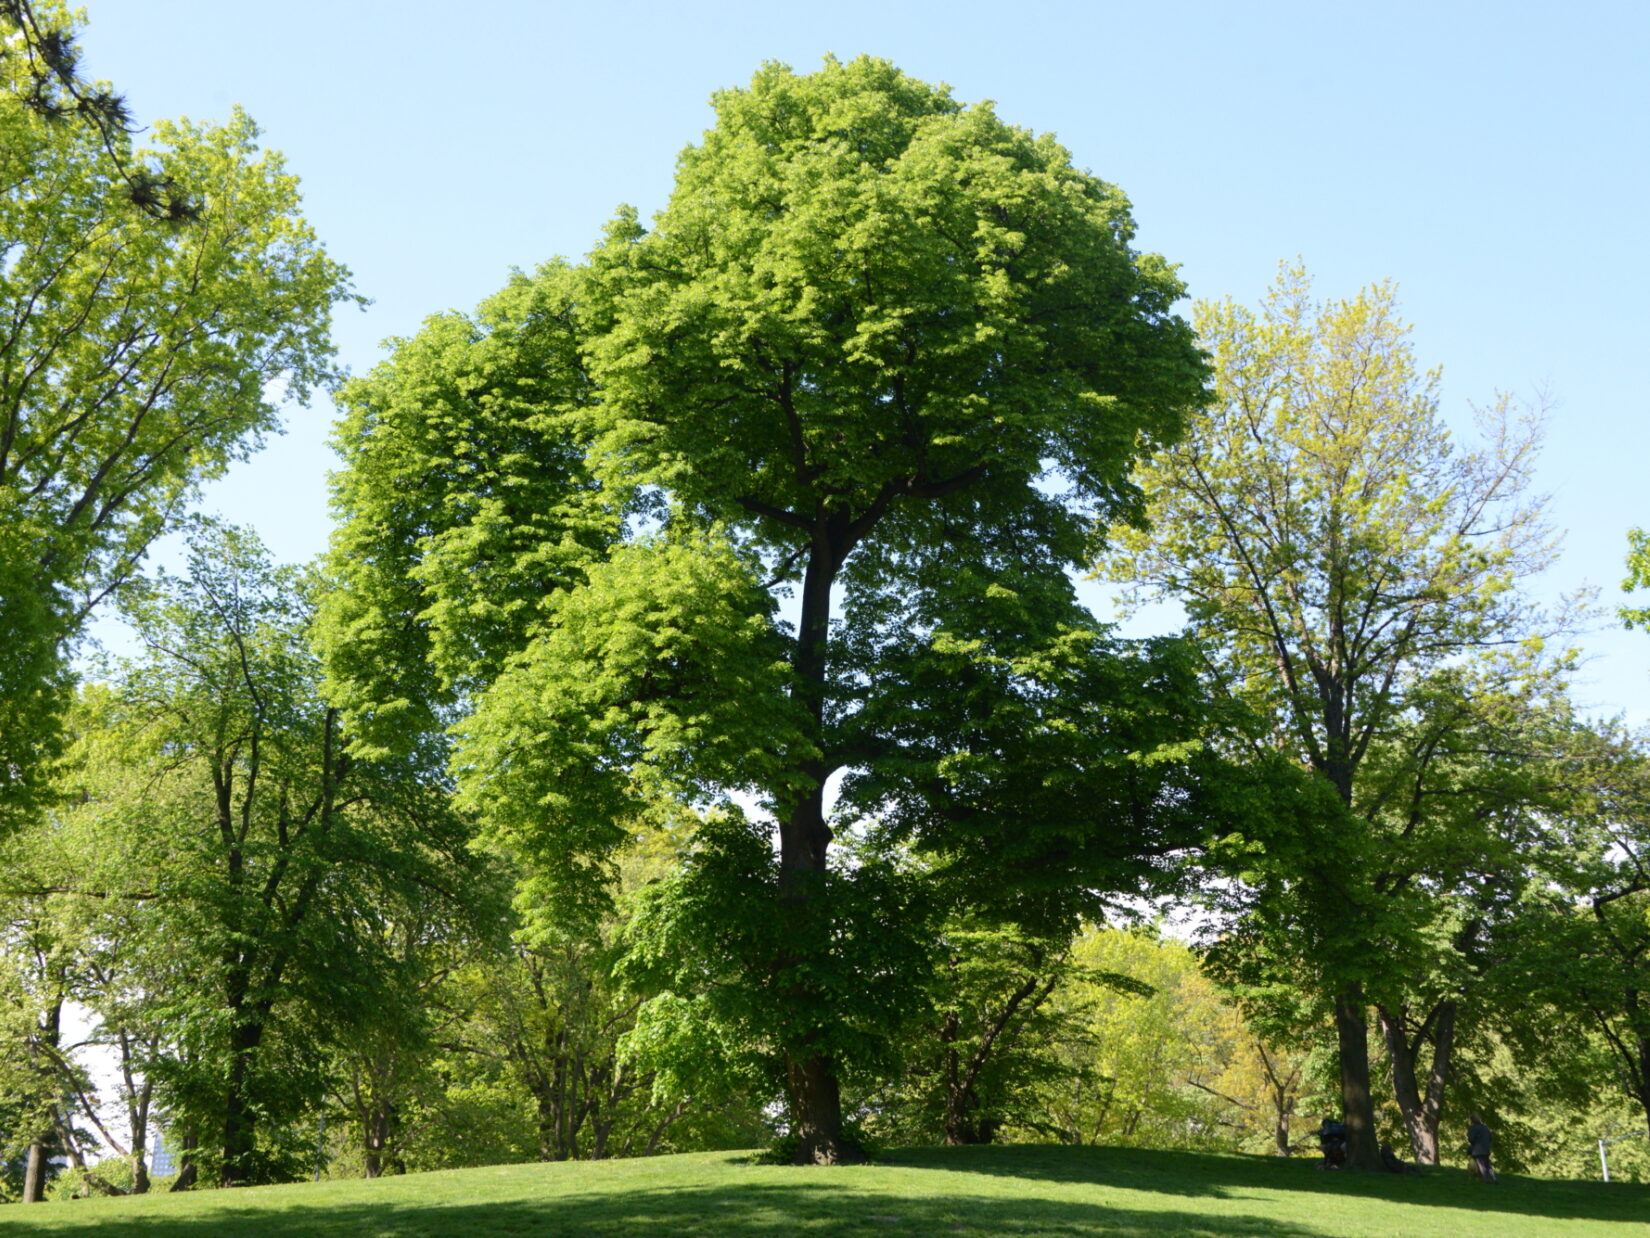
(234, 873)
(878, 344)
(156, 305)
(1333, 550)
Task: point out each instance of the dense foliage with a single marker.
(695, 736)
(1354, 577)
(883, 359)
(141, 350)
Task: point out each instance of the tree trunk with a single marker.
(1420, 1113)
(1281, 1091)
(375, 1138)
(140, 1141)
(1644, 1075)
(962, 1126)
(549, 1123)
(138, 1098)
(379, 1135)
(34, 1174)
(816, 1112)
(187, 1169)
(48, 1032)
(804, 840)
(664, 1124)
(1358, 1107)
(90, 1179)
(959, 1098)
(240, 1119)
(962, 1129)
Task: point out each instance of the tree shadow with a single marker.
(738, 1211)
(838, 1203)
(1205, 1175)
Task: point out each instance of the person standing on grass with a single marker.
(1478, 1147)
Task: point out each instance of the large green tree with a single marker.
(1336, 553)
(142, 347)
(648, 526)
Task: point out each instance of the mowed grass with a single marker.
(1028, 1192)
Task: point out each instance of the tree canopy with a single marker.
(234, 871)
(1354, 578)
(880, 352)
(141, 349)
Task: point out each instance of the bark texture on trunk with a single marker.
(1282, 1088)
(1352, 1033)
(379, 1131)
(34, 1174)
(240, 1118)
(188, 1169)
(816, 1112)
(48, 1034)
(1643, 1079)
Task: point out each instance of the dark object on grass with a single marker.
(1332, 1143)
(1391, 1163)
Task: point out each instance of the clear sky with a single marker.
(1492, 158)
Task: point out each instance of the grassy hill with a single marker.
(1027, 1192)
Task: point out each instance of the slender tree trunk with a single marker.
(383, 1120)
(1405, 1090)
(34, 1173)
(812, 1087)
(1420, 1112)
(1281, 1089)
(956, 1095)
(1644, 1075)
(664, 1124)
(138, 1097)
(548, 1123)
(49, 1035)
(65, 1138)
(1352, 1032)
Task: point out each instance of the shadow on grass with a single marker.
(738, 1211)
(1212, 1175)
(1224, 1197)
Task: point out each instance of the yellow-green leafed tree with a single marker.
(156, 305)
(1341, 558)
(1175, 1067)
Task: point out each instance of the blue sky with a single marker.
(1493, 159)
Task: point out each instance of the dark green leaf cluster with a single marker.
(243, 878)
(740, 975)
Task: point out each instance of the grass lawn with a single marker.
(1028, 1192)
